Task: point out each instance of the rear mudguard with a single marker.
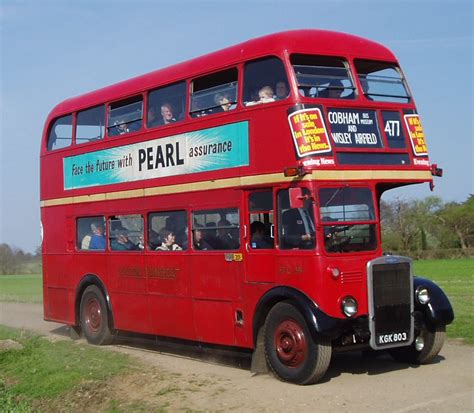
(439, 310)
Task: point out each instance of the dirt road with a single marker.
(353, 383)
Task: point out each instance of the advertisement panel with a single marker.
(205, 150)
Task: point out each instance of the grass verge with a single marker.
(456, 278)
(41, 371)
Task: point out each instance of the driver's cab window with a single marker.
(296, 228)
(261, 220)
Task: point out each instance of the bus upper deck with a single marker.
(327, 105)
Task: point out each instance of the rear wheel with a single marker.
(432, 343)
(290, 349)
(94, 316)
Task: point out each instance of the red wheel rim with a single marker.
(93, 315)
(290, 343)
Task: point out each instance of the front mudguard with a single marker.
(439, 310)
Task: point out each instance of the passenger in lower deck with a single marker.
(169, 241)
(97, 241)
(121, 242)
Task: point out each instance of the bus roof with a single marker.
(294, 41)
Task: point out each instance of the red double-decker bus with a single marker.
(234, 199)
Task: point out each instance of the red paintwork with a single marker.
(200, 303)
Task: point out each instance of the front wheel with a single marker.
(291, 352)
(432, 343)
(95, 317)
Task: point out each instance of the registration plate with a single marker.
(392, 338)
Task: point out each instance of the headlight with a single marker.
(349, 306)
(422, 295)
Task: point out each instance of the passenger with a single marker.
(121, 241)
(97, 241)
(167, 114)
(178, 228)
(210, 235)
(224, 101)
(334, 90)
(259, 239)
(86, 241)
(281, 89)
(226, 235)
(119, 127)
(299, 229)
(265, 95)
(153, 239)
(199, 242)
(169, 241)
(153, 119)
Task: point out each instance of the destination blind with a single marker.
(354, 128)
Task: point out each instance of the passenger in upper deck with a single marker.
(167, 114)
(265, 95)
(153, 119)
(224, 101)
(281, 89)
(333, 90)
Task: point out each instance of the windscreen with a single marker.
(382, 82)
(348, 219)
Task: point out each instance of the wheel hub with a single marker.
(93, 315)
(290, 343)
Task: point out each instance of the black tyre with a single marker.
(94, 317)
(433, 342)
(290, 349)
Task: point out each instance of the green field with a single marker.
(455, 277)
(21, 288)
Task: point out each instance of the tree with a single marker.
(459, 218)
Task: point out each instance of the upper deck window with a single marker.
(166, 105)
(214, 93)
(125, 116)
(382, 82)
(60, 134)
(90, 125)
(265, 81)
(323, 77)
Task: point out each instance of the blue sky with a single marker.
(52, 50)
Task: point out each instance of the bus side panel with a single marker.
(58, 297)
(128, 293)
(214, 321)
(168, 287)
